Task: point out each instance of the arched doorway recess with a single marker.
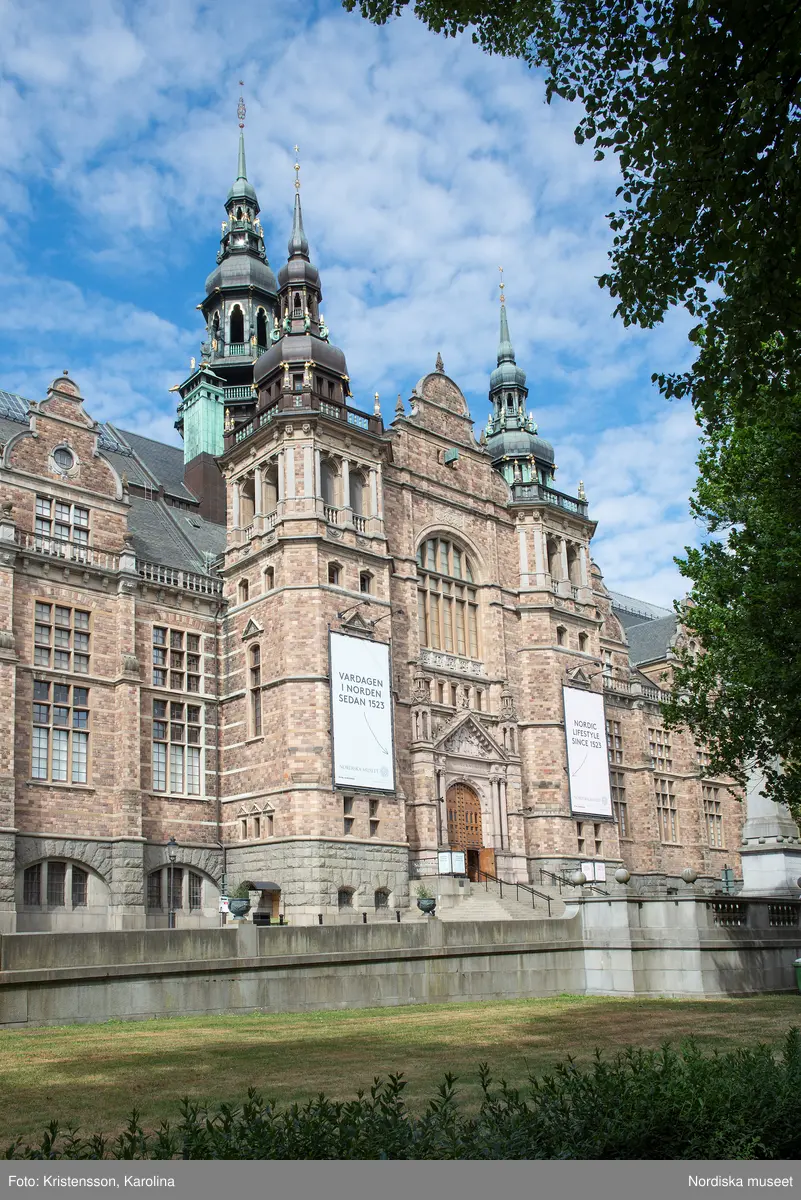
(463, 808)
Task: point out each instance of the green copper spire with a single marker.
(241, 189)
(298, 244)
(241, 172)
(506, 351)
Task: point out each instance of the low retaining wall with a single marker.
(616, 947)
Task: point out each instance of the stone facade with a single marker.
(148, 693)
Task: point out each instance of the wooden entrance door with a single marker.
(464, 824)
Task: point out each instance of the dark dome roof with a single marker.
(300, 348)
(519, 443)
(298, 270)
(507, 374)
(242, 270)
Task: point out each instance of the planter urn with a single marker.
(427, 904)
(238, 908)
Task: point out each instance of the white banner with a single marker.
(587, 762)
(361, 714)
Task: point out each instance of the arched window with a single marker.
(242, 591)
(254, 685)
(297, 305)
(447, 601)
(561, 635)
(261, 327)
(237, 326)
(583, 641)
(268, 579)
(358, 492)
(329, 482)
(381, 898)
(366, 582)
(334, 573)
(270, 487)
(345, 898)
(59, 884)
(239, 214)
(215, 326)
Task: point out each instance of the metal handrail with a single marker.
(563, 879)
(517, 886)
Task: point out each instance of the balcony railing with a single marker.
(360, 523)
(633, 687)
(331, 514)
(70, 552)
(523, 493)
(188, 581)
(300, 402)
(444, 661)
(241, 391)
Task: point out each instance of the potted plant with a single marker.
(425, 901)
(239, 904)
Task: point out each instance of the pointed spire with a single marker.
(440, 366)
(241, 169)
(506, 351)
(298, 244)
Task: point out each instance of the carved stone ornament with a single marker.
(289, 430)
(6, 639)
(422, 690)
(306, 427)
(130, 664)
(470, 741)
(251, 630)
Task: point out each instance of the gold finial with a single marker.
(240, 108)
(192, 363)
(297, 169)
(502, 285)
(377, 405)
(582, 495)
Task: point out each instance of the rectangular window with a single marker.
(177, 736)
(60, 739)
(177, 659)
(713, 816)
(195, 890)
(32, 886)
(57, 523)
(175, 887)
(666, 813)
(619, 804)
(80, 880)
(614, 742)
(61, 637)
(660, 748)
(56, 876)
(154, 890)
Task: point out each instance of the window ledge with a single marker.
(177, 796)
(258, 738)
(48, 783)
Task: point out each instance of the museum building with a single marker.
(167, 615)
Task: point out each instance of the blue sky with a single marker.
(425, 165)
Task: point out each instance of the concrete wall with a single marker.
(617, 947)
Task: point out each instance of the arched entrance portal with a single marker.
(464, 829)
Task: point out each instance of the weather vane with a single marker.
(502, 284)
(297, 169)
(240, 108)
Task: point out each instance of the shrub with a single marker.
(643, 1104)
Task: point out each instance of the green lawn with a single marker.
(93, 1075)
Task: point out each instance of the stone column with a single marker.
(373, 492)
(379, 507)
(127, 885)
(771, 849)
(258, 493)
(237, 502)
(521, 537)
(540, 556)
(281, 481)
(563, 558)
(346, 491)
(308, 471)
(318, 487)
(289, 458)
(584, 554)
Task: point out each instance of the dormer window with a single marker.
(297, 307)
(509, 402)
(237, 324)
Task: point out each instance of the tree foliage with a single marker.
(700, 100)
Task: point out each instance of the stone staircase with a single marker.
(480, 902)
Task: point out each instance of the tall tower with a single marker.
(511, 435)
(239, 309)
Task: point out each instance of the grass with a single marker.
(93, 1075)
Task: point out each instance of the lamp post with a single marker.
(171, 854)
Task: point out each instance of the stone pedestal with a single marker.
(8, 908)
(771, 849)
